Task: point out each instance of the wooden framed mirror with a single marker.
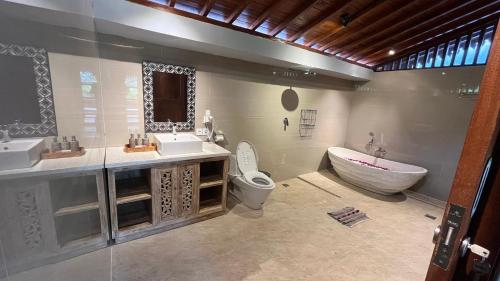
(169, 97)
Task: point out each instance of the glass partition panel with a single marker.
(52, 194)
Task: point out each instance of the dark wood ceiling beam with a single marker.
(354, 20)
(393, 16)
(171, 3)
(432, 27)
(237, 11)
(205, 10)
(267, 11)
(292, 16)
(419, 22)
(339, 5)
(467, 23)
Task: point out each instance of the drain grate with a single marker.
(349, 216)
(430, 216)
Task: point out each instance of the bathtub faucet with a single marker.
(370, 143)
(380, 152)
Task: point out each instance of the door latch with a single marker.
(481, 266)
(474, 248)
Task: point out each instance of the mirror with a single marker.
(169, 96)
(27, 106)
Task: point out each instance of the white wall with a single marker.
(423, 119)
(244, 109)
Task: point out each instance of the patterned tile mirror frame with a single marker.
(150, 125)
(48, 125)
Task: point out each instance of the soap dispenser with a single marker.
(145, 140)
(65, 144)
(131, 141)
(138, 140)
(55, 146)
(74, 145)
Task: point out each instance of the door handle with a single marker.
(437, 231)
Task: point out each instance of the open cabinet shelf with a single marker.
(71, 195)
(134, 215)
(210, 197)
(76, 209)
(132, 186)
(78, 227)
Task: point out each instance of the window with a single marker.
(420, 59)
(450, 52)
(459, 56)
(484, 50)
(430, 58)
(472, 49)
(402, 63)
(411, 61)
(469, 49)
(439, 56)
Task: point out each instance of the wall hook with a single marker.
(285, 123)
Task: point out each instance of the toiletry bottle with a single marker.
(55, 146)
(138, 140)
(145, 140)
(65, 143)
(74, 145)
(131, 141)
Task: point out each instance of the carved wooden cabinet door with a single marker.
(165, 190)
(189, 181)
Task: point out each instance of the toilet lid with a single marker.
(246, 157)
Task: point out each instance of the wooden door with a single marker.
(478, 148)
(165, 190)
(189, 184)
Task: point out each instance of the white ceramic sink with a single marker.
(170, 144)
(20, 153)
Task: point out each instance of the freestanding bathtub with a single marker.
(374, 174)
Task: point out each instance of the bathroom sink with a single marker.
(20, 153)
(170, 144)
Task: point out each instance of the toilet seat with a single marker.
(247, 159)
(258, 179)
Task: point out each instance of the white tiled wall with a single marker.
(422, 116)
(243, 110)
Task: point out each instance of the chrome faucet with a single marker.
(5, 134)
(174, 129)
(380, 152)
(370, 143)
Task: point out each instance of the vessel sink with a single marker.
(170, 144)
(20, 153)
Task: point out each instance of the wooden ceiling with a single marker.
(374, 26)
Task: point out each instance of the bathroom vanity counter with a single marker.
(117, 158)
(150, 193)
(92, 160)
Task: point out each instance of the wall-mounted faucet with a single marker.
(5, 134)
(174, 129)
(370, 143)
(380, 152)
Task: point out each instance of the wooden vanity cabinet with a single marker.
(166, 196)
(50, 218)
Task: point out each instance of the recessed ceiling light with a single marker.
(391, 52)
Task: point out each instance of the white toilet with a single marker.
(250, 186)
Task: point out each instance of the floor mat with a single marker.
(349, 216)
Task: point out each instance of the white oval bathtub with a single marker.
(375, 174)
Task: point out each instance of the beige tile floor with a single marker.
(292, 239)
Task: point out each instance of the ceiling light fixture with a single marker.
(391, 52)
(345, 19)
